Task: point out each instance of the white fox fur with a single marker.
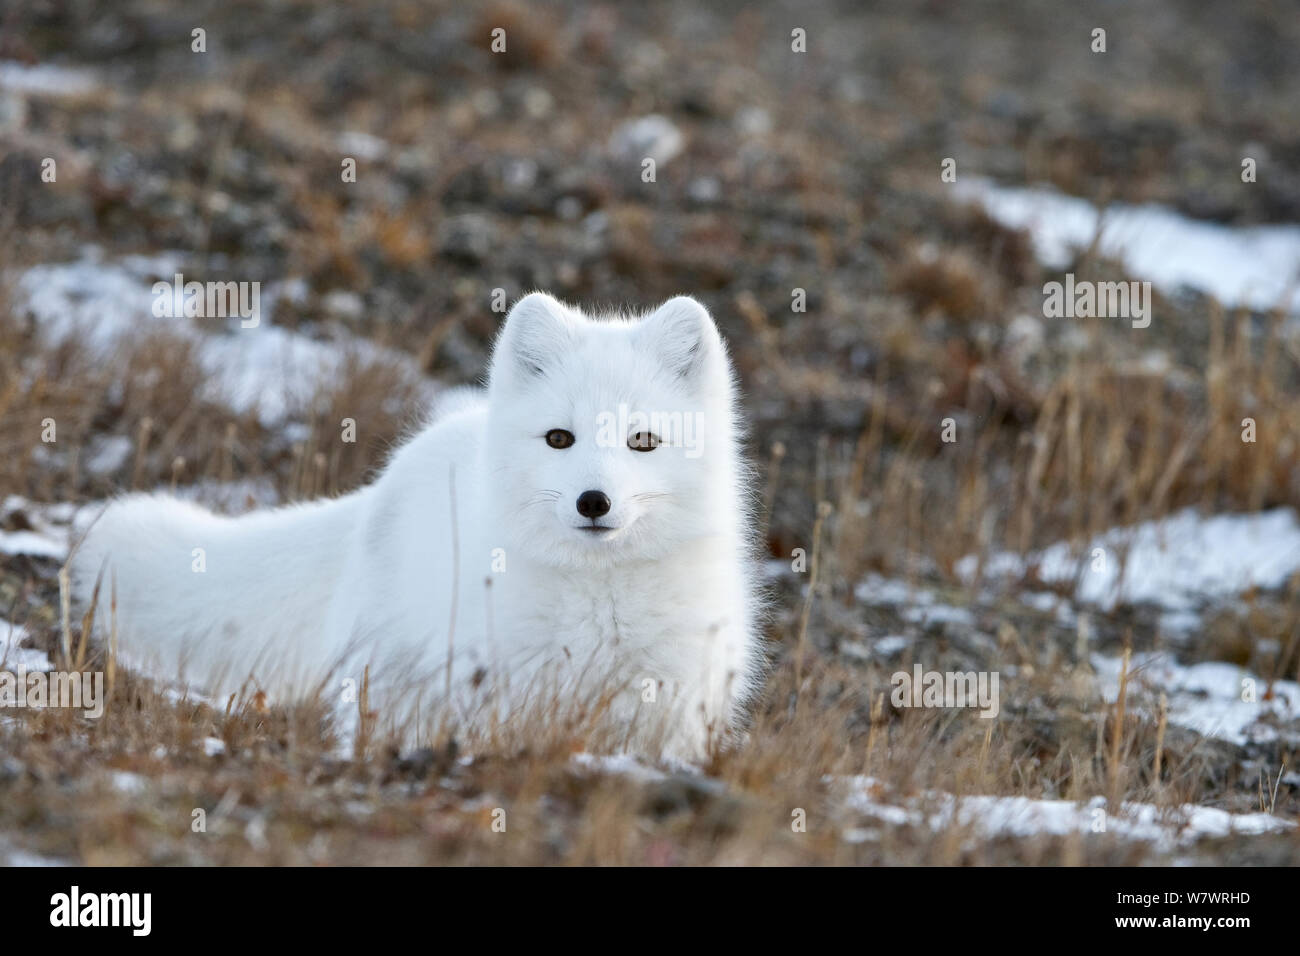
(661, 609)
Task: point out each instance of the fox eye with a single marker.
(559, 438)
(643, 441)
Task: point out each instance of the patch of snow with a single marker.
(108, 453)
(648, 137)
(123, 781)
(994, 816)
(938, 614)
(774, 568)
(1044, 601)
(175, 693)
(1255, 266)
(15, 659)
(1204, 697)
(346, 305)
(1178, 563)
(1179, 623)
(46, 79)
(617, 765)
(31, 544)
(10, 856)
(878, 589)
(361, 145)
(753, 121)
(919, 605)
(212, 746)
(890, 644)
(855, 650)
(265, 370)
(46, 535)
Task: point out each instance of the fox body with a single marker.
(578, 529)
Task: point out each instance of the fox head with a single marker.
(611, 439)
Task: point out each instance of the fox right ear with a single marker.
(537, 330)
(683, 336)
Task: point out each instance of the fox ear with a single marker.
(683, 336)
(537, 330)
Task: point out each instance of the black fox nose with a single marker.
(593, 504)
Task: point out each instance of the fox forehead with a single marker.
(601, 370)
(553, 363)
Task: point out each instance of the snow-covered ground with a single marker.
(1255, 266)
(1186, 562)
(992, 816)
(989, 817)
(1179, 563)
(1184, 565)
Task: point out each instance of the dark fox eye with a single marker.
(643, 441)
(559, 438)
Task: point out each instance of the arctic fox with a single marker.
(580, 528)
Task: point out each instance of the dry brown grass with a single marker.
(281, 794)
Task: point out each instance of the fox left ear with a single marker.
(683, 336)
